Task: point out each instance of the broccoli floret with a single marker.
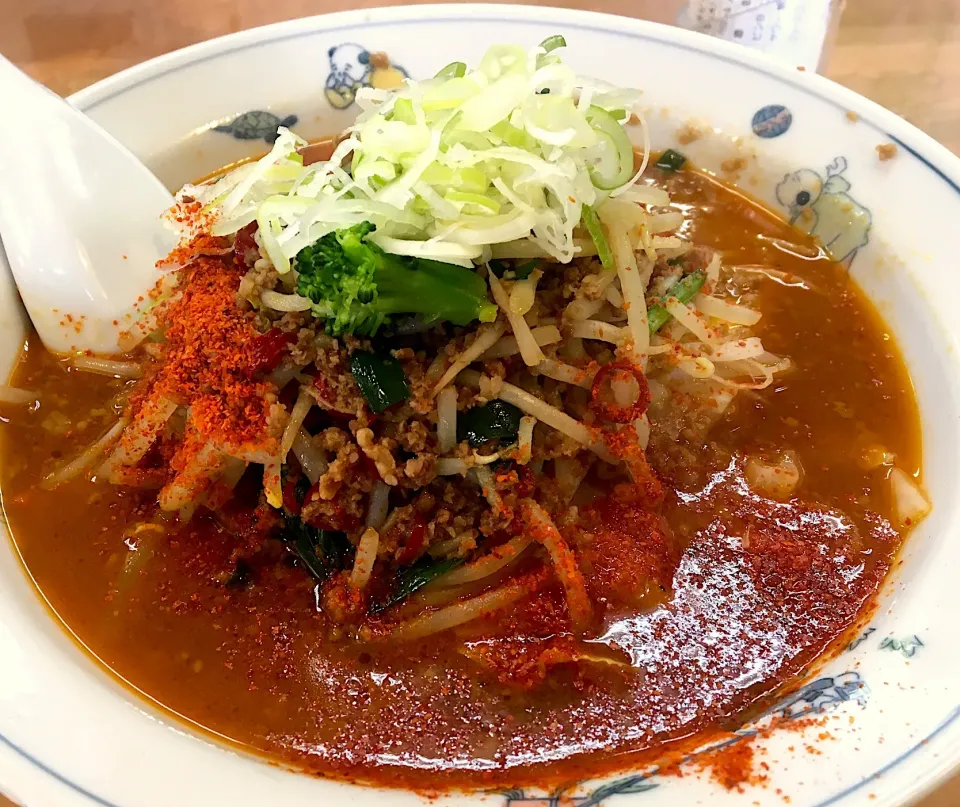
(356, 286)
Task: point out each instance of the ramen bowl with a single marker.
(876, 723)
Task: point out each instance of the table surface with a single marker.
(904, 55)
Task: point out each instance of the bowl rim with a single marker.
(943, 758)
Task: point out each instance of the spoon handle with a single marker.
(79, 218)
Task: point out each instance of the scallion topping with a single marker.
(671, 160)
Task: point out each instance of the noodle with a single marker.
(613, 296)
(485, 459)
(713, 272)
(487, 335)
(642, 427)
(632, 285)
(193, 480)
(233, 471)
(727, 312)
(379, 502)
(664, 222)
(541, 410)
(365, 558)
(12, 395)
(507, 345)
(301, 409)
(489, 487)
(311, 458)
(525, 439)
(491, 563)
(738, 349)
(285, 302)
(570, 473)
(523, 294)
(687, 317)
(595, 329)
(111, 367)
(659, 242)
(646, 195)
(86, 460)
(143, 478)
(449, 467)
(696, 366)
(457, 614)
(135, 441)
(447, 419)
(283, 375)
(543, 529)
(529, 349)
(272, 482)
(581, 308)
(566, 372)
(726, 373)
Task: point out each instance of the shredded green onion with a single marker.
(671, 160)
(453, 70)
(592, 222)
(684, 290)
(447, 167)
(551, 43)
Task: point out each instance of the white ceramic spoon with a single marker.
(79, 219)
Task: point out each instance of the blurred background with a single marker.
(903, 54)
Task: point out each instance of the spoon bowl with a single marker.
(79, 219)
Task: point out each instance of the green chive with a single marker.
(592, 222)
(671, 160)
(413, 578)
(453, 70)
(684, 290)
(553, 42)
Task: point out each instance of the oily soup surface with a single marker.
(759, 588)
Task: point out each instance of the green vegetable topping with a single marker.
(497, 420)
(553, 42)
(322, 552)
(613, 164)
(381, 380)
(356, 286)
(592, 222)
(522, 271)
(507, 149)
(453, 70)
(513, 270)
(403, 111)
(413, 578)
(684, 290)
(671, 160)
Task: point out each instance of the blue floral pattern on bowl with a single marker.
(815, 697)
(907, 646)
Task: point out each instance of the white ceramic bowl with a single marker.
(70, 735)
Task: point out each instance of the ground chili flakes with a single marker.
(207, 353)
